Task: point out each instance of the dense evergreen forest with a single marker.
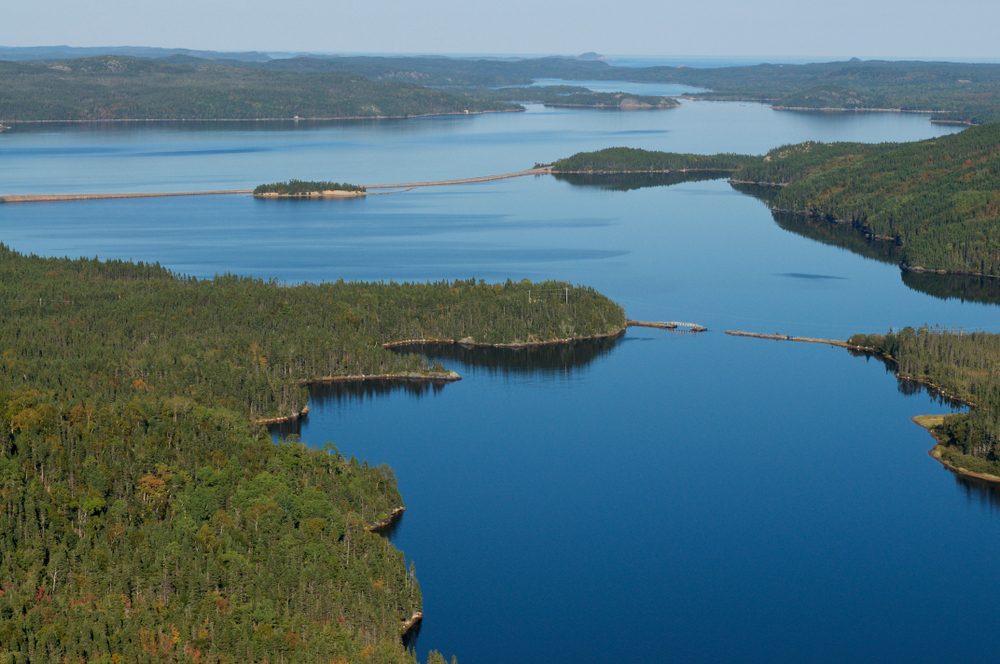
(938, 199)
(963, 365)
(959, 92)
(118, 87)
(570, 96)
(304, 187)
(145, 517)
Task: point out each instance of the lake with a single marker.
(666, 496)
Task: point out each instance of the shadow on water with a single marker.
(976, 491)
(845, 236)
(966, 288)
(542, 361)
(979, 492)
(962, 287)
(630, 181)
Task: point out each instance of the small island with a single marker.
(309, 189)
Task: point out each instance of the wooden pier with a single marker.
(667, 325)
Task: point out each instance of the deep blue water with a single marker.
(688, 497)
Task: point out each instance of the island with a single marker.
(145, 514)
(308, 189)
(936, 202)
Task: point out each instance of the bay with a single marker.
(668, 496)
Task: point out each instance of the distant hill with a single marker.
(181, 87)
(948, 91)
(28, 53)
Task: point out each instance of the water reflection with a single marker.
(629, 181)
(979, 492)
(540, 360)
(966, 288)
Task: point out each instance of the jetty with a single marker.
(55, 198)
(445, 183)
(787, 337)
(51, 198)
(667, 325)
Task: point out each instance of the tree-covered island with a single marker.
(146, 516)
(308, 189)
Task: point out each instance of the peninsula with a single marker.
(139, 492)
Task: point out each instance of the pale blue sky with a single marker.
(793, 28)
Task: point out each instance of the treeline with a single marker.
(144, 517)
(964, 365)
(211, 86)
(119, 87)
(954, 91)
(938, 199)
(303, 187)
(569, 96)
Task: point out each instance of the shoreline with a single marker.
(937, 452)
(515, 345)
(333, 118)
(410, 623)
(326, 193)
(283, 419)
(430, 377)
(382, 524)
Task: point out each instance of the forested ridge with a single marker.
(965, 365)
(571, 96)
(120, 87)
(938, 199)
(144, 517)
(135, 83)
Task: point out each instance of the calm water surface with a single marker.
(668, 496)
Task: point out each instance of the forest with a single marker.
(144, 516)
(938, 200)
(948, 91)
(571, 96)
(119, 87)
(51, 84)
(963, 365)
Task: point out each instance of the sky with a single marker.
(791, 28)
